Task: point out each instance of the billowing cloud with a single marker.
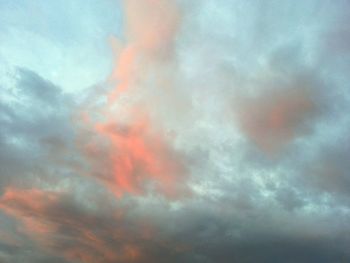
(134, 159)
(203, 131)
(138, 154)
(276, 116)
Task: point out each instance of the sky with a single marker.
(174, 131)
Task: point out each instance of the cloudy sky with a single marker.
(174, 131)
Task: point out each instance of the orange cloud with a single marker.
(29, 205)
(275, 117)
(131, 154)
(48, 219)
(151, 27)
(59, 224)
(151, 24)
(137, 159)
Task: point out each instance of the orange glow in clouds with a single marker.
(139, 158)
(122, 145)
(48, 219)
(274, 118)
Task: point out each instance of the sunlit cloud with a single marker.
(174, 131)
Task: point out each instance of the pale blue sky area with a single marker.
(65, 42)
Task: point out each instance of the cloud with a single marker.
(63, 226)
(57, 223)
(36, 114)
(151, 25)
(326, 173)
(121, 232)
(132, 153)
(276, 116)
(219, 135)
(135, 159)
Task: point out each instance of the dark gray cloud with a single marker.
(130, 233)
(35, 122)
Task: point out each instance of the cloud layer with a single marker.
(174, 131)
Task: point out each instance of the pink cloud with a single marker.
(275, 117)
(131, 153)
